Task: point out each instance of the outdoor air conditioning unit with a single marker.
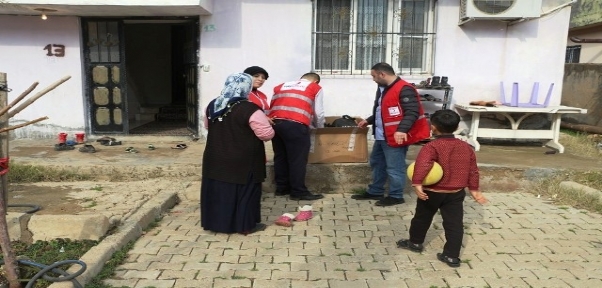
(499, 9)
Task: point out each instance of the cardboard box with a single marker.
(339, 144)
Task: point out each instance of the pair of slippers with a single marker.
(180, 146)
(87, 148)
(108, 141)
(286, 220)
(63, 147)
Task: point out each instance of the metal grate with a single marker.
(493, 6)
(573, 54)
(350, 36)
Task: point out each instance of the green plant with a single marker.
(48, 252)
(359, 190)
(25, 173)
(96, 188)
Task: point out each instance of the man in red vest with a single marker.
(398, 121)
(295, 106)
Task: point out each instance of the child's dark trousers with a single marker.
(451, 206)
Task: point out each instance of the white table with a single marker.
(516, 115)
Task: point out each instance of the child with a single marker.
(459, 164)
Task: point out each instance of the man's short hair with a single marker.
(311, 76)
(446, 121)
(384, 67)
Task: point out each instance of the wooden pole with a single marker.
(2, 130)
(10, 261)
(14, 102)
(38, 95)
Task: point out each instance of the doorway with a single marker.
(148, 78)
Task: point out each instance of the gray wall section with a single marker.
(148, 61)
(582, 88)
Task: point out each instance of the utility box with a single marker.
(339, 144)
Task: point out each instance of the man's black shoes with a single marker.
(308, 197)
(366, 196)
(282, 192)
(389, 201)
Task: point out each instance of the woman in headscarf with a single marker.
(234, 160)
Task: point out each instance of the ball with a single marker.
(432, 177)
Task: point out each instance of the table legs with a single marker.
(474, 128)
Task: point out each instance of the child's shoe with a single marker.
(285, 220)
(305, 213)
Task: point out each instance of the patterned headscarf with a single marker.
(237, 87)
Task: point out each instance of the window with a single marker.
(350, 36)
(572, 54)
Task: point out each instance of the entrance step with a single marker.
(172, 113)
(145, 117)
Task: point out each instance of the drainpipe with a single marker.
(579, 40)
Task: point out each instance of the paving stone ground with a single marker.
(517, 240)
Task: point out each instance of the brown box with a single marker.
(339, 144)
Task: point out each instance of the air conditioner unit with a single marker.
(499, 9)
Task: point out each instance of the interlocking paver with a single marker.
(517, 240)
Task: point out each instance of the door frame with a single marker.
(194, 21)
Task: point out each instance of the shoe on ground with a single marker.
(258, 227)
(87, 148)
(389, 201)
(285, 220)
(282, 193)
(307, 196)
(406, 244)
(62, 147)
(450, 261)
(305, 213)
(366, 196)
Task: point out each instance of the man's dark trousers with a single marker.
(291, 149)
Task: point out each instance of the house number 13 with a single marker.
(57, 50)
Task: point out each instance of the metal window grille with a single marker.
(350, 36)
(572, 54)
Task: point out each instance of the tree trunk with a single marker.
(10, 261)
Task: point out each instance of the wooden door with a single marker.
(105, 75)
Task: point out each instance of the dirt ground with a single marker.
(121, 180)
(51, 200)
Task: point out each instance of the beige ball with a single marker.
(432, 177)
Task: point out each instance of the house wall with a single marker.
(276, 34)
(23, 58)
(586, 12)
(583, 88)
(475, 56)
(590, 52)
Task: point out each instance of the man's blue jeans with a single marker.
(387, 161)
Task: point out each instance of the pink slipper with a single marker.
(285, 220)
(305, 213)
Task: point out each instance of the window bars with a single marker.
(352, 35)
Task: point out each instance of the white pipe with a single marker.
(558, 8)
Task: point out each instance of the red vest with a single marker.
(392, 114)
(260, 100)
(294, 101)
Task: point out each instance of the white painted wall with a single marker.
(23, 58)
(475, 56)
(276, 34)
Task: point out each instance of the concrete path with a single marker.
(518, 240)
